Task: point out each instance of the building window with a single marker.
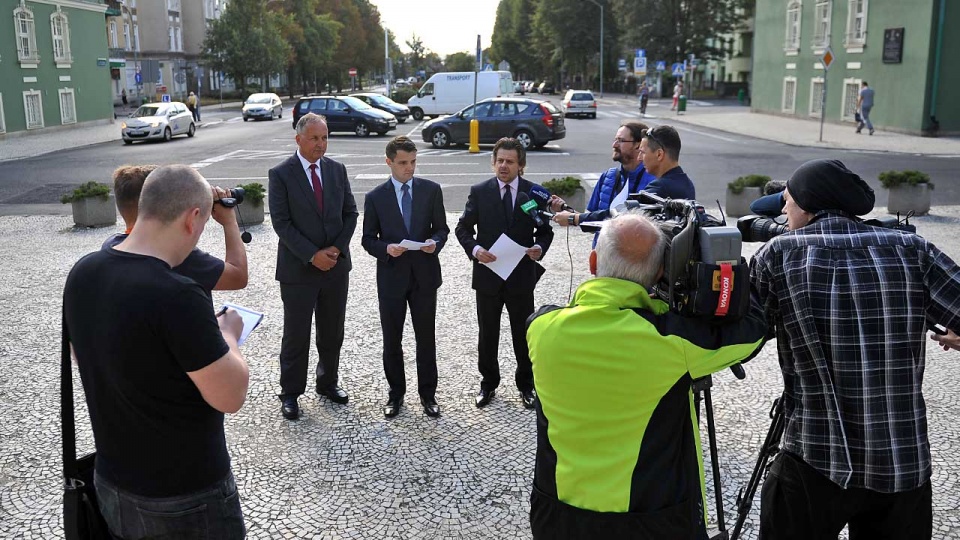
(113, 35)
(68, 107)
(33, 109)
(172, 43)
(136, 37)
(792, 44)
(60, 29)
(26, 34)
(789, 95)
(816, 96)
(856, 25)
(821, 30)
(126, 36)
(3, 126)
(851, 92)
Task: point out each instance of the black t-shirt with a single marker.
(137, 329)
(199, 266)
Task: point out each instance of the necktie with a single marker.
(317, 188)
(406, 206)
(508, 203)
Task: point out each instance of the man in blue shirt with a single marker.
(660, 152)
(865, 105)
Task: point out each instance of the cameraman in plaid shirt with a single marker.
(851, 304)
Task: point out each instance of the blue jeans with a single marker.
(865, 118)
(212, 513)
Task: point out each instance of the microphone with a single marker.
(530, 208)
(542, 196)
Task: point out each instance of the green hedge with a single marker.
(889, 179)
(750, 180)
(254, 193)
(90, 189)
(563, 187)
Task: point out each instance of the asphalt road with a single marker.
(233, 152)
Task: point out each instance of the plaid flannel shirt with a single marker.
(851, 304)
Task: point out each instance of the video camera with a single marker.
(762, 229)
(704, 274)
(235, 198)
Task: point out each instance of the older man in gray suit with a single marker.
(314, 214)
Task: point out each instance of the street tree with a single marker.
(511, 40)
(313, 37)
(460, 61)
(417, 52)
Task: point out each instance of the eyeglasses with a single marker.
(618, 140)
(650, 136)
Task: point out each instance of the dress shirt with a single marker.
(306, 169)
(398, 190)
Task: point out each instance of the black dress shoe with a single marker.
(392, 408)
(335, 394)
(430, 407)
(290, 408)
(529, 397)
(484, 397)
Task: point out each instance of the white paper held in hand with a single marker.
(411, 244)
(251, 319)
(508, 254)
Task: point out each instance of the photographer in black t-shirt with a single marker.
(159, 370)
(210, 272)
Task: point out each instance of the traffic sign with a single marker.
(678, 69)
(622, 64)
(661, 65)
(353, 72)
(827, 59)
(165, 98)
(641, 53)
(138, 78)
(488, 67)
(640, 65)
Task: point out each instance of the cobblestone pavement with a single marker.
(344, 472)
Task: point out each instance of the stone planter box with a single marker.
(95, 211)
(909, 198)
(250, 214)
(578, 200)
(738, 204)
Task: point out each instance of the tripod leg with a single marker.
(771, 445)
(715, 463)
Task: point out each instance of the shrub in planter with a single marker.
(743, 191)
(569, 189)
(251, 209)
(92, 205)
(909, 191)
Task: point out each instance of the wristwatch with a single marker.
(571, 219)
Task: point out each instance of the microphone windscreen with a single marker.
(540, 194)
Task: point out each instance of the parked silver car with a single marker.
(265, 105)
(158, 121)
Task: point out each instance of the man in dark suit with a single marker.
(406, 208)
(493, 209)
(314, 214)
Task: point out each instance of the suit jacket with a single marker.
(302, 229)
(383, 225)
(484, 220)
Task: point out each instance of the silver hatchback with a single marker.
(158, 121)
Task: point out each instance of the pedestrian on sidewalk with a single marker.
(192, 105)
(865, 105)
(644, 97)
(677, 91)
(123, 96)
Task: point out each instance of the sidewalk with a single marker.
(794, 131)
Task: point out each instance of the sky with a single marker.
(444, 26)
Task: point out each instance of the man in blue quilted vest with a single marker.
(617, 182)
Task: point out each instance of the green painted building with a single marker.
(903, 49)
(54, 66)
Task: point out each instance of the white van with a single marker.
(447, 93)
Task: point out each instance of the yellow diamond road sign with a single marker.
(827, 58)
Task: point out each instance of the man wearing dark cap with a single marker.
(660, 152)
(850, 303)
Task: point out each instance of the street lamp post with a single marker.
(601, 44)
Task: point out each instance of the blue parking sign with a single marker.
(138, 78)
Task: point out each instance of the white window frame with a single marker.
(791, 44)
(64, 56)
(136, 35)
(70, 94)
(847, 114)
(816, 104)
(855, 43)
(26, 108)
(792, 109)
(28, 35)
(821, 25)
(3, 125)
(126, 36)
(114, 40)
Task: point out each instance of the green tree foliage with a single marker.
(314, 37)
(247, 40)
(511, 40)
(417, 53)
(461, 61)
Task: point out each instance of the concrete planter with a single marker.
(907, 198)
(95, 211)
(738, 204)
(578, 200)
(250, 214)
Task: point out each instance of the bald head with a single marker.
(630, 247)
(171, 190)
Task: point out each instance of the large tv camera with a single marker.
(704, 274)
(762, 229)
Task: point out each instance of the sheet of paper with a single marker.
(410, 244)
(508, 254)
(251, 319)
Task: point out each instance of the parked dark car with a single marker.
(533, 122)
(546, 87)
(345, 113)
(382, 102)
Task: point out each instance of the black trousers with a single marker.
(489, 309)
(328, 305)
(798, 502)
(423, 313)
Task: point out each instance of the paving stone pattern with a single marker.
(344, 472)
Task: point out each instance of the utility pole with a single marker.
(601, 44)
(386, 60)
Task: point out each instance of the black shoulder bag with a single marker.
(81, 514)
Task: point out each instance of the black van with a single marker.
(345, 114)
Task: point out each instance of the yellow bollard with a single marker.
(474, 136)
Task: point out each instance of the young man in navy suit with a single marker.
(406, 208)
(494, 208)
